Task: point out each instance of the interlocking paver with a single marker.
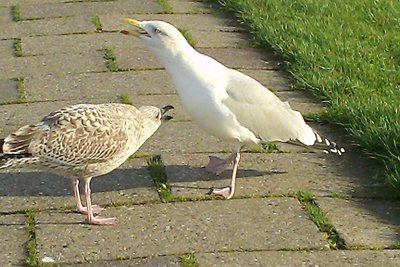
(238, 58)
(89, 8)
(45, 64)
(9, 91)
(73, 43)
(62, 25)
(186, 7)
(13, 240)
(177, 228)
(365, 222)
(301, 258)
(36, 190)
(5, 15)
(271, 173)
(106, 85)
(160, 261)
(205, 22)
(23, 2)
(7, 48)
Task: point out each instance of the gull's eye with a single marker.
(157, 30)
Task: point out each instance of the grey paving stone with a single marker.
(244, 58)
(52, 10)
(363, 222)
(65, 25)
(36, 190)
(301, 258)
(5, 15)
(300, 101)
(220, 38)
(171, 229)
(273, 80)
(161, 261)
(9, 91)
(190, 7)
(13, 240)
(48, 64)
(7, 48)
(182, 137)
(264, 174)
(192, 22)
(73, 43)
(23, 2)
(138, 58)
(108, 85)
(239, 58)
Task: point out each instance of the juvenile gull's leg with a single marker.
(79, 207)
(91, 218)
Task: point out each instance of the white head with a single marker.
(159, 36)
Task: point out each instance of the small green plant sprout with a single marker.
(21, 90)
(16, 13)
(125, 99)
(188, 260)
(157, 172)
(97, 23)
(166, 6)
(18, 47)
(111, 60)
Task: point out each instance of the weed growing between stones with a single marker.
(318, 216)
(157, 172)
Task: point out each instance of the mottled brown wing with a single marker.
(85, 134)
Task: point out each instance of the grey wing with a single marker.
(78, 135)
(262, 112)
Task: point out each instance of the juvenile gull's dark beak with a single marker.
(164, 110)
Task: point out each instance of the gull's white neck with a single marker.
(187, 66)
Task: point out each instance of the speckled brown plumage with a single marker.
(82, 141)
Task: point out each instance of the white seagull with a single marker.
(82, 141)
(224, 102)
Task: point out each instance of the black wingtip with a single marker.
(329, 146)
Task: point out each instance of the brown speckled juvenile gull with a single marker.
(82, 141)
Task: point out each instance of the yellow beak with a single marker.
(133, 22)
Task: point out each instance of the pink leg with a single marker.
(91, 218)
(79, 207)
(217, 165)
(228, 192)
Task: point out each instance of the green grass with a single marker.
(21, 90)
(157, 172)
(125, 99)
(18, 47)
(188, 36)
(16, 13)
(347, 53)
(166, 6)
(320, 219)
(271, 148)
(32, 259)
(111, 61)
(188, 260)
(97, 23)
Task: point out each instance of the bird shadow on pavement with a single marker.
(46, 184)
